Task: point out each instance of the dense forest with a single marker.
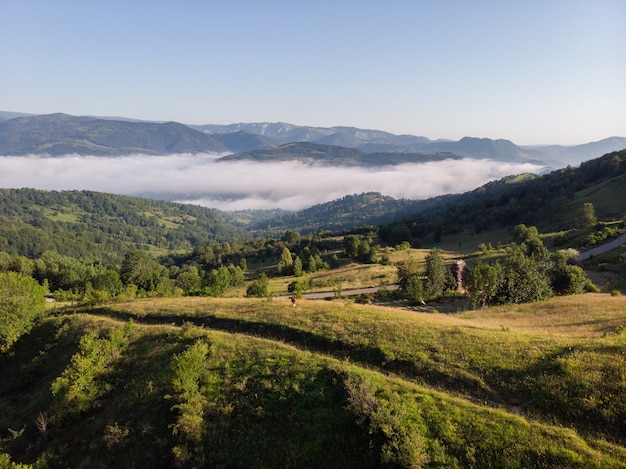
(103, 227)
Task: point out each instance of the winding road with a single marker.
(613, 244)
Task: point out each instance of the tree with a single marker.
(415, 289)
(311, 264)
(285, 263)
(566, 279)
(587, 216)
(351, 245)
(108, 281)
(483, 284)
(21, 303)
(435, 272)
(189, 281)
(139, 269)
(291, 237)
(259, 287)
(218, 282)
(529, 239)
(524, 279)
(297, 267)
(406, 270)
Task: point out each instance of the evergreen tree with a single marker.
(297, 267)
(285, 263)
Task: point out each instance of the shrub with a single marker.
(22, 302)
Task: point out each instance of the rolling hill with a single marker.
(334, 155)
(196, 382)
(103, 227)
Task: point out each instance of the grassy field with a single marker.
(197, 382)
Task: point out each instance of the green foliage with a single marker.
(259, 287)
(602, 235)
(297, 267)
(142, 270)
(551, 202)
(6, 463)
(587, 216)
(407, 269)
(21, 304)
(415, 289)
(220, 280)
(360, 249)
(103, 227)
(285, 263)
(84, 380)
(189, 281)
(520, 278)
(483, 284)
(189, 370)
(435, 272)
(566, 279)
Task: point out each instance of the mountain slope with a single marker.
(59, 134)
(97, 226)
(335, 155)
(574, 155)
(198, 382)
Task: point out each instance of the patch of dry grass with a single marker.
(591, 314)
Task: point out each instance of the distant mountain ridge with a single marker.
(376, 141)
(61, 134)
(58, 134)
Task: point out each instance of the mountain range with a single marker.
(59, 134)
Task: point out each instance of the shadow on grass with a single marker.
(367, 356)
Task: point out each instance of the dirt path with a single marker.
(332, 294)
(617, 242)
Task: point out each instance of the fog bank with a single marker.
(201, 180)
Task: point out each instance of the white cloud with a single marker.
(239, 185)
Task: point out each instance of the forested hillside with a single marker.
(96, 226)
(551, 202)
(333, 155)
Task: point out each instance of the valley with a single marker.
(143, 333)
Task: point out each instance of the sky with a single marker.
(533, 71)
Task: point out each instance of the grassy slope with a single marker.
(334, 384)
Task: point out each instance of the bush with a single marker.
(259, 287)
(22, 302)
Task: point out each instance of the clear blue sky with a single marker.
(547, 71)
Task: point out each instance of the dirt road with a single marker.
(617, 242)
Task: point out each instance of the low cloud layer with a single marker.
(201, 180)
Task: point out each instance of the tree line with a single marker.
(524, 272)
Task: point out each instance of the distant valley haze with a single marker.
(238, 185)
(258, 165)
